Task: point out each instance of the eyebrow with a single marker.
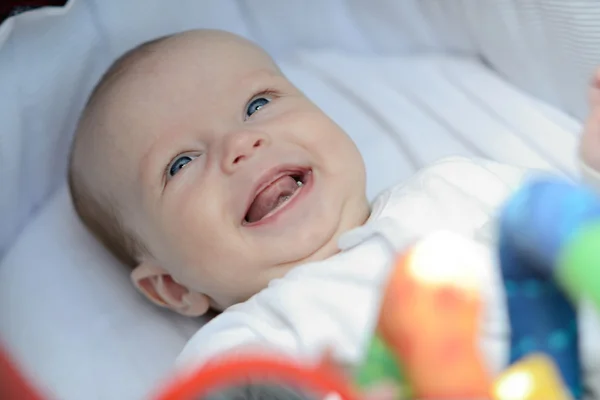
(147, 164)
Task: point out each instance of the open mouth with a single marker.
(275, 195)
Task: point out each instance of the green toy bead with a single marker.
(579, 264)
(380, 365)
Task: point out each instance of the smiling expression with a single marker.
(226, 172)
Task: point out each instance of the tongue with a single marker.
(270, 198)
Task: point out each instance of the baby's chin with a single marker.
(277, 272)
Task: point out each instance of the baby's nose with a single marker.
(240, 146)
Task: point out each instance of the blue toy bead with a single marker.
(559, 340)
(541, 217)
(511, 288)
(533, 288)
(535, 225)
(524, 346)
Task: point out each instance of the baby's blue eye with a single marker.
(178, 164)
(256, 105)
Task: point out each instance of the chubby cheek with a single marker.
(201, 239)
(333, 152)
(187, 222)
(321, 136)
(320, 130)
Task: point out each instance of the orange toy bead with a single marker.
(430, 318)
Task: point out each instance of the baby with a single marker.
(203, 169)
(200, 166)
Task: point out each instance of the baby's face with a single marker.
(226, 172)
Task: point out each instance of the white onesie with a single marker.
(332, 304)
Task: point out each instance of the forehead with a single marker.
(180, 72)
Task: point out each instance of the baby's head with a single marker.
(199, 165)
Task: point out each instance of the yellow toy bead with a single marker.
(532, 378)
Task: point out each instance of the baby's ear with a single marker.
(160, 288)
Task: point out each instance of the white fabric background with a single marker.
(67, 312)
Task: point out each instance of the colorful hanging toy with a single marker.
(427, 339)
(549, 244)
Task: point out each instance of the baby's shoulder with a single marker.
(457, 193)
(457, 178)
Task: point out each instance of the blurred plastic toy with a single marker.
(13, 384)
(381, 365)
(549, 246)
(259, 377)
(429, 320)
